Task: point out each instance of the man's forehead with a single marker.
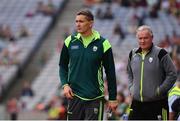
(82, 17)
(143, 32)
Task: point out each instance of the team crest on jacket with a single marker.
(95, 48)
(150, 59)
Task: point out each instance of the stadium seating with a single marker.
(48, 82)
(14, 14)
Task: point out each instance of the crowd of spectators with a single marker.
(19, 35)
(46, 9)
(170, 43)
(42, 8)
(56, 107)
(9, 49)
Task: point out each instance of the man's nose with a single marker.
(78, 24)
(142, 40)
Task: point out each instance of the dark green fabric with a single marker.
(79, 68)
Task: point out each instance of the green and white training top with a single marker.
(81, 66)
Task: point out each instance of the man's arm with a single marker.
(108, 63)
(169, 70)
(64, 62)
(129, 71)
(63, 66)
(63, 69)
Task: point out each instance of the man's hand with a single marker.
(112, 105)
(68, 92)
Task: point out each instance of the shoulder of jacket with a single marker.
(102, 39)
(106, 44)
(69, 39)
(161, 52)
(132, 52)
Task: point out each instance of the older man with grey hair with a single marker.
(151, 74)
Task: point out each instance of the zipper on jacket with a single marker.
(142, 75)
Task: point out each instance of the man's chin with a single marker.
(79, 32)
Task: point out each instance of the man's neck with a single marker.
(145, 51)
(87, 34)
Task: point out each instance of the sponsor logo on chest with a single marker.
(74, 47)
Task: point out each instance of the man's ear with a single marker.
(91, 24)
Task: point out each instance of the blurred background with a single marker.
(32, 33)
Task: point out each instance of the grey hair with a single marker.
(144, 27)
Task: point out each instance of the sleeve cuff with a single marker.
(112, 100)
(112, 97)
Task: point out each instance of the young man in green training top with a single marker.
(81, 71)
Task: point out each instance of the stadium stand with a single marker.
(22, 31)
(45, 85)
(126, 17)
(126, 14)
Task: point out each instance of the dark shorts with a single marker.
(85, 110)
(154, 110)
